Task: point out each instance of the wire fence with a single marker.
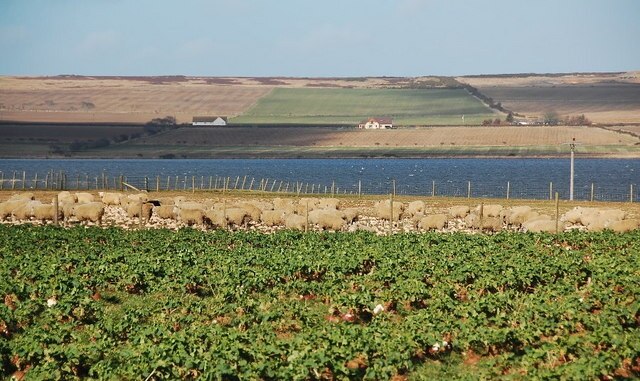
(59, 180)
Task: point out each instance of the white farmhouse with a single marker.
(376, 123)
(209, 121)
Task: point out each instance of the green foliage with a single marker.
(114, 304)
(350, 106)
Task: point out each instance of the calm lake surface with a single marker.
(612, 179)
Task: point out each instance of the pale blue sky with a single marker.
(317, 38)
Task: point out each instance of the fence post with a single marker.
(146, 184)
(157, 183)
(96, 182)
(391, 214)
(55, 209)
(333, 187)
(591, 192)
(631, 193)
(24, 179)
(13, 181)
(251, 185)
(433, 188)
(480, 225)
(235, 186)
(306, 217)
(244, 180)
(121, 185)
(35, 181)
(168, 182)
(359, 188)
(201, 182)
(1, 180)
(193, 184)
(557, 213)
(508, 189)
(273, 185)
(551, 191)
(468, 189)
(394, 186)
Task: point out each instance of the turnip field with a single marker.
(108, 303)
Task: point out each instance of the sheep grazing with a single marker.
(383, 210)
(44, 212)
(493, 224)
(109, 198)
(433, 222)
(25, 211)
(415, 208)
(92, 211)
(135, 208)
(65, 197)
(165, 212)
(327, 219)
(328, 203)
(489, 210)
(272, 217)
(253, 212)
(459, 211)
(191, 216)
(7, 207)
(518, 215)
(541, 225)
(295, 222)
(215, 217)
(24, 196)
(623, 226)
(236, 216)
(84, 198)
(350, 214)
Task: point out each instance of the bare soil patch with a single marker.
(409, 137)
(602, 98)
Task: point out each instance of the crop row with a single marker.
(158, 304)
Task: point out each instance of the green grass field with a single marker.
(349, 106)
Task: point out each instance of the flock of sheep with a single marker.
(140, 209)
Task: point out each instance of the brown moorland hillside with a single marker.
(602, 97)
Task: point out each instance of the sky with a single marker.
(312, 38)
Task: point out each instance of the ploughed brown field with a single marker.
(602, 98)
(79, 99)
(407, 137)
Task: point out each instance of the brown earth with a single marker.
(405, 137)
(601, 97)
(79, 99)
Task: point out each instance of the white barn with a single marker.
(376, 123)
(209, 121)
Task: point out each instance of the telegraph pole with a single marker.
(573, 146)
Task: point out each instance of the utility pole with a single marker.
(573, 146)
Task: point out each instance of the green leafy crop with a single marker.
(114, 304)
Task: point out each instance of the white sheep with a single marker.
(491, 210)
(459, 211)
(44, 212)
(84, 197)
(23, 196)
(110, 198)
(383, 210)
(24, 211)
(433, 222)
(623, 226)
(92, 211)
(272, 217)
(191, 216)
(543, 224)
(415, 208)
(327, 219)
(295, 222)
(165, 212)
(66, 197)
(7, 207)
